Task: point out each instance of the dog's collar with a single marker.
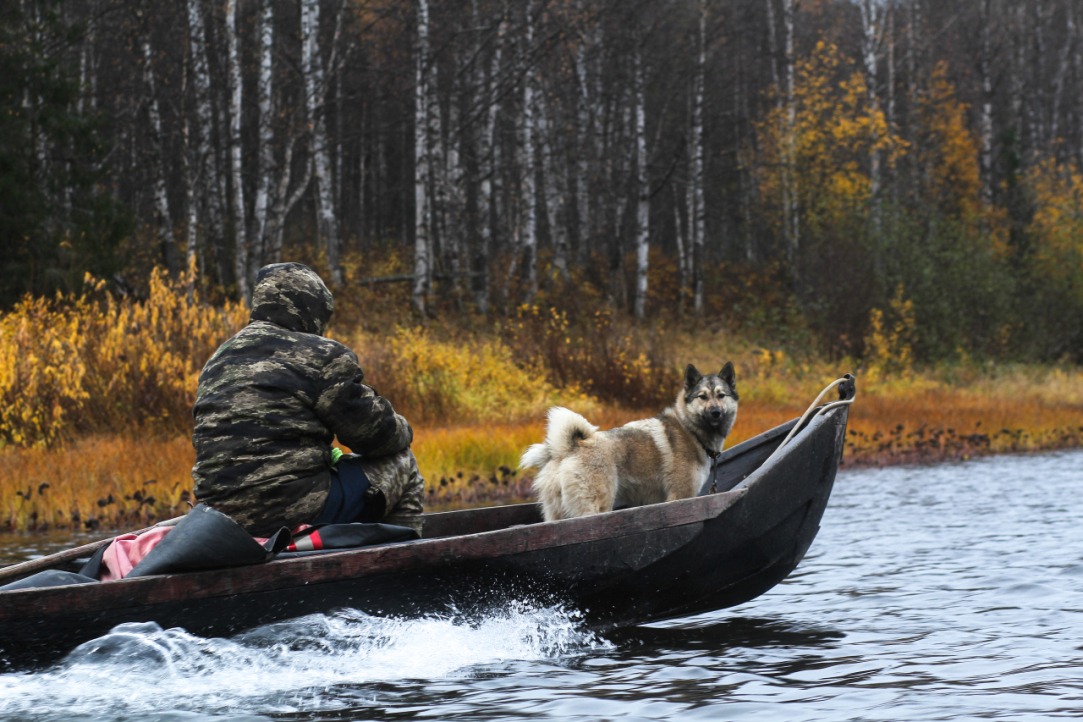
(712, 474)
(712, 454)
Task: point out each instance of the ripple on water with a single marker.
(952, 592)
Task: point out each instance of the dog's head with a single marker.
(709, 402)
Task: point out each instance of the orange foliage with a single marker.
(835, 132)
(73, 364)
(948, 151)
(1057, 226)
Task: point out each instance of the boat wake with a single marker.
(304, 664)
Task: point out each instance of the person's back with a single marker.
(271, 400)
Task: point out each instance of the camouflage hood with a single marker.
(292, 296)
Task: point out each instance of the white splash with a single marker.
(140, 668)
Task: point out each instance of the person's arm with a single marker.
(397, 476)
(353, 412)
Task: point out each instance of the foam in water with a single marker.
(141, 668)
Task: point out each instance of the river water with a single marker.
(952, 592)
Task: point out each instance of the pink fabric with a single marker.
(127, 550)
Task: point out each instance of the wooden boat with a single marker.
(629, 566)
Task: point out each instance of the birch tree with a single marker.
(485, 148)
(985, 123)
(161, 197)
(554, 204)
(191, 201)
(422, 240)
(696, 211)
(286, 197)
(643, 191)
(208, 200)
(583, 130)
(452, 179)
(1036, 110)
(315, 80)
(872, 25)
(527, 161)
(264, 160)
(1060, 75)
(236, 184)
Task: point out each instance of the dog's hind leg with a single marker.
(588, 494)
(547, 490)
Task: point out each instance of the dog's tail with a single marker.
(567, 430)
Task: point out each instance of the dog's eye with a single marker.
(703, 396)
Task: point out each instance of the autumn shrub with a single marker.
(601, 352)
(94, 364)
(447, 382)
(887, 347)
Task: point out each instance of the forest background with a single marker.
(531, 202)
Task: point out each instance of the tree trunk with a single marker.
(527, 164)
(453, 178)
(1062, 73)
(89, 87)
(583, 130)
(680, 234)
(617, 154)
(553, 197)
(1036, 107)
(236, 190)
(784, 104)
(890, 30)
(698, 216)
(485, 148)
(284, 200)
(643, 191)
(422, 240)
(871, 38)
(191, 202)
(207, 179)
(316, 97)
(985, 123)
(264, 161)
(161, 198)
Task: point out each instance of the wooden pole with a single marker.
(23, 569)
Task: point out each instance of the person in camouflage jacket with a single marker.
(269, 403)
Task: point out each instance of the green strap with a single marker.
(336, 454)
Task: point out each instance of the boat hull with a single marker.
(623, 567)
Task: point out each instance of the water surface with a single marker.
(952, 592)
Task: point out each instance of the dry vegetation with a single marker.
(96, 396)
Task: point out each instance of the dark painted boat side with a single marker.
(623, 567)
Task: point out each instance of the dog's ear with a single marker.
(691, 376)
(729, 375)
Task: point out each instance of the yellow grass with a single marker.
(894, 421)
(95, 396)
(109, 482)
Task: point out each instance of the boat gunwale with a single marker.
(327, 568)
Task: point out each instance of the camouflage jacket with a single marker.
(271, 400)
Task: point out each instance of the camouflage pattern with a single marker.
(400, 481)
(271, 400)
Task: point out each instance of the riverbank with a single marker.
(121, 482)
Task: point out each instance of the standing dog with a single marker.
(585, 471)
